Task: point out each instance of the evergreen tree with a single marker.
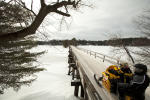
(16, 63)
(13, 17)
(65, 43)
(73, 42)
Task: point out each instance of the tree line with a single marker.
(143, 41)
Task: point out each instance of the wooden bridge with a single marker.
(83, 64)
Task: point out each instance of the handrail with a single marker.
(104, 57)
(107, 58)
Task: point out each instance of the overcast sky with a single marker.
(108, 17)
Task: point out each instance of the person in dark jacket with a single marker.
(123, 72)
(127, 73)
(136, 88)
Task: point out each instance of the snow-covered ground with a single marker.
(51, 84)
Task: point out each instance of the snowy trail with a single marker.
(51, 84)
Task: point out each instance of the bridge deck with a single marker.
(93, 66)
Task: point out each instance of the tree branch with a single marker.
(22, 4)
(54, 7)
(62, 13)
(128, 53)
(63, 3)
(43, 3)
(32, 5)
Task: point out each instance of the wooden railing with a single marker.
(109, 59)
(103, 57)
(81, 79)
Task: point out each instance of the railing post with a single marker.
(76, 91)
(74, 72)
(82, 91)
(117, 61)
(104, 59)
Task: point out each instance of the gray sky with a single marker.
(108, 17)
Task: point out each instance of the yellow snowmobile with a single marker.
(110, 77)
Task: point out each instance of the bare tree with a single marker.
(60, 7)
(143, 24)
(143, 55)
(121, 48)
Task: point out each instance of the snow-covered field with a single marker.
(53, 83)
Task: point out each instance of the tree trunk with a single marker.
(128, 53)
(38, 20)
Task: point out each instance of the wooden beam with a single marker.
(76, 82)
(76, 90)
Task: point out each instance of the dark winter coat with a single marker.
(136, 88)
